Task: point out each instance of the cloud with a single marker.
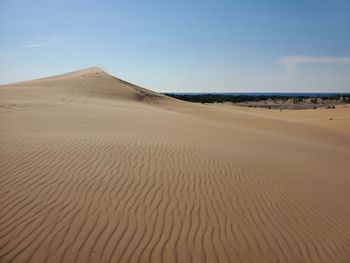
(52, 41)
(61, 38)
(36, 45)
(292, 62)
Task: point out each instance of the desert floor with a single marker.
(93, 169)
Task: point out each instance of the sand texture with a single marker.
(94, 169)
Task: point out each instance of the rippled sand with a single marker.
(94, 169)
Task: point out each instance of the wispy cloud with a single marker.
(51, 41)
(292, 62)
(37, 45)
(61, 38)
(54, 40)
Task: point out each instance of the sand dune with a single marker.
(95, 169)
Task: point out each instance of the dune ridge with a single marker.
(95, 169)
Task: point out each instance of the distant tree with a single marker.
(346, 98)
(297, 100)
(314, 100)
(219, 98)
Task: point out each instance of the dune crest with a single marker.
(94, 82)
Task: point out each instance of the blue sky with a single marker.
(271, 45)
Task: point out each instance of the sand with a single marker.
(94, 169)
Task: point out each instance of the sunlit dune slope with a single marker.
(92, 82)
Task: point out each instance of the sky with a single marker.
(183, 45)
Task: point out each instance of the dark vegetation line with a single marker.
(212, 98)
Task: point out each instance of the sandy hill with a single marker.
(92, 82)
(95, 169)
